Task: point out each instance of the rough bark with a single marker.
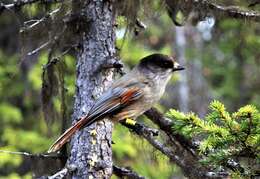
(91, 147)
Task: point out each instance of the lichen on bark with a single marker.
(91, 147)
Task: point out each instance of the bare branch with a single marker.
(118, 171)
(39, 48)
(177, 153)
(26, 154)
(21, 3)
(149, 134)
(166, 125)
(125, 172)
(234, 12)
(205, 6)
(38, 22)
(17, 4)
(51, 43)
(42, 164)
(59, 175)
(141, 129)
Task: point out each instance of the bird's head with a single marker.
(159, 64)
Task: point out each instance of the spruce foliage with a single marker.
(224, 137)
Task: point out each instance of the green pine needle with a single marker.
(225, 135)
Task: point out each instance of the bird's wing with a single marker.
(113, 100)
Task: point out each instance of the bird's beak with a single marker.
(177, 67)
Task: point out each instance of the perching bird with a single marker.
(130, 96)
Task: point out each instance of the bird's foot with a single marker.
(130, 121)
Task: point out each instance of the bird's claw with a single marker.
(130, 121)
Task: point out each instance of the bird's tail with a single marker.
(64, 138)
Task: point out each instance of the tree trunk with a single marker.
(180, 53)
(199, 92)
(91, 147)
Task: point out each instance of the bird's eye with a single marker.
(166, 64)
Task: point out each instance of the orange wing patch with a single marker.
(130, 95)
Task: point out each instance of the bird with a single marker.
(129, 96)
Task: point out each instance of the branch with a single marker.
(230, 11)
(21, 3)
(59, 175)
(166, 125)
(51, 43)
(38, 22)
(118, 171)
(38, 48)
(26, 154)
(203, 6)
(16, 4)
(190, 166)
(181, 151)
(146, 133)
(41, 164)
(141, 129)
(125, 172)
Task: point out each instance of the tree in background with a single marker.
(86, 30)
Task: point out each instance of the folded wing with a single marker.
(109, 103)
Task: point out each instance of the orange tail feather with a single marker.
(64, 138)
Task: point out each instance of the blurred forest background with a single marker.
(221, 56)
